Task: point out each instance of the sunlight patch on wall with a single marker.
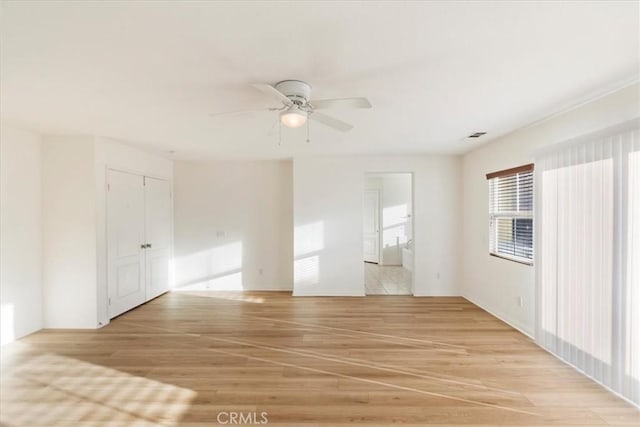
(395, 233)
(394, 236)
(307, 270)
(308, 242)
(309, 238)
(225, 295)
(221, 265)
(395, 215)
(227, 282)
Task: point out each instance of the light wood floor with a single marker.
(184, 358)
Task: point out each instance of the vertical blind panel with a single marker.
(547, 257)
(631, 376)
(588, 257)
(584, 241)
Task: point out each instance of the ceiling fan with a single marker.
(297, 106)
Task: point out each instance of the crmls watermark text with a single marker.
(233, 417)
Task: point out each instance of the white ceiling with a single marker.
(150, 72)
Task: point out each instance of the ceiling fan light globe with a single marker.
(293, 118)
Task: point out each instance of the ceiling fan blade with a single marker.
(331, 122)
(252, 110)
(273, 92)
(320, 104)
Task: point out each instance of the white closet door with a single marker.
(157, 198)
(125, 236)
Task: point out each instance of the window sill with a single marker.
(519, 261)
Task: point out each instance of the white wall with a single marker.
(395, 210)
(493, 283)
(20, 234)
(233, 225)
(328, 214)
(74, 220)
(69, 232)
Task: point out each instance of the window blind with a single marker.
(511, 213)
(588, 255)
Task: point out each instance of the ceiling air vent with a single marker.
(477, 135)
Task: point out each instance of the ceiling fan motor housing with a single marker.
(297, 91)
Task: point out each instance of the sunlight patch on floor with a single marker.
(231, 296)
(51, 389)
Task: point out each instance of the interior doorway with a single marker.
(388, 233)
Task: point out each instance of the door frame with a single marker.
(413, 223)
(378, 192)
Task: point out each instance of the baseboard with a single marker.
(521, 329)
(580, 371)
(514, 325)
(444, 295)
(327, 295)
(204, 286)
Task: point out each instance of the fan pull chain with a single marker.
(308, 124)
(279, 133)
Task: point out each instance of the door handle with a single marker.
(145, 245)
(148, 245)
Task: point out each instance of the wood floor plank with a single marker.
(187, 357)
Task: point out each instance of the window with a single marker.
(511, 214)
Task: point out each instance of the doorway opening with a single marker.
(388, 233)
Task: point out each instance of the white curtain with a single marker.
(588, 255)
